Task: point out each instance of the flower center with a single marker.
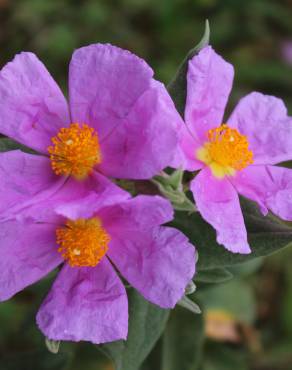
(225, 152)
(83, 242)
(75, 151)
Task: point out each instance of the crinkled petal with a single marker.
(104, 195)
(146, 141)
(159, 263)
(104, 84)
(25, 179)
(28, 253)
(269, 186)
(77, 199)
(263, 119)
(142, 212)
(218, 203)
(209, 82)
(85, 304)
(189, 145)
(32, 106)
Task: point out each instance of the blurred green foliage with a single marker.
(254, 35)
(251, 34)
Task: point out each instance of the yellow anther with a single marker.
(225, 151)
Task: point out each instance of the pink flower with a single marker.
(91, 234)
(238, 157)
(286, 52)
(119, 122)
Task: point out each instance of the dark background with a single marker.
(256, 37)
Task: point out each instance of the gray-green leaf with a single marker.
(216, 275)
(7, 144)
(178, 86)
(146, 323)
(266, 235)
(183, 341)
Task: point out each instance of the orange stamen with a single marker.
(83, 242)
(75, 151)
(226, 151)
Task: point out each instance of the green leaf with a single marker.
(218, 356)
(53, 345)
(247, 268)
(188, 304)
(266, 235)
(39, 360)
(182, 341)
(216, 275)
(178, 86)
(7, 144)
(146, 323)
(191, 288)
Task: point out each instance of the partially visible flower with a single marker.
(286, 52)
(237, 157)
(88, 300)
(119, 122)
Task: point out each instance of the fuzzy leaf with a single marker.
(216, 275)
(182, 341)
(266, 235)
(7, 144)
(177, 88)
(188, 304)
(53, 345)
(146, 323)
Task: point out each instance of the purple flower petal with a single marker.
(85, 304)
(103, 195)
(32, 106)
(219, 205)
(104, 84)
(28, 253)
(269, 186)
(146, 141)
(158, 263)
(113, 91)
(25, 179)
(76, 199)
(209, 82)
(263, 119)
(189, 146)
(142, 212)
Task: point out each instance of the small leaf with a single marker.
(191, 288)
(183, 341)
(247, 268)
(53, 345)
(146, 323)
(216, 275)
(191, 306)
(7, 144)
(266, 235)
(178, 86)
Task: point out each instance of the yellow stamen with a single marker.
(225, 152)
(75, 151)
(83, 242)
